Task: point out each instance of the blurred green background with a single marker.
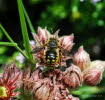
(84, 18)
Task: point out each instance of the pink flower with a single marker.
(98, 64)
(10, 80)
(93, 75)
(82, 59)
(42, 37)
(42, 91)
(67, 42)
(20, 58)
(73, 77)
(29, 79)
(48, 87)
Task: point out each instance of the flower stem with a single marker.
(24, 30)
(12, 42)
(7, 35)
(28, 20)
(8, 44)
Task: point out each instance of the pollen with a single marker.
(3, 91)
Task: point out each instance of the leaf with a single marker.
(24, 30)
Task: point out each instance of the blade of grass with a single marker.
(7, 35)
(8, 44)
(10, 39)
(24, 30)
(28, 20)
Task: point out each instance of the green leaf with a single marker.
(28, 20)
(24, 30)
(87, 91)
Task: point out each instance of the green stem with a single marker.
(12, 42)
(8, 44)
(21, 52)
(7, 35)
(28, 20)
(24, 30)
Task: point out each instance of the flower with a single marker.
(81, 59)
(93, 75)
(52, 83)
(48, 87)
(32, 42)
(20, 58)
(73, 77)
(98, 64)
(42, 37)
(30, 79)
(42, 92)
(10, 80)
(67, 42)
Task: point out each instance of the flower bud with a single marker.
(82, 59)
(29, 78)
(42, 92)
(42, 36)
(98, 64)
(67, 42)
(73, 77)
(92, 76)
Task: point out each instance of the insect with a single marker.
(51, 52)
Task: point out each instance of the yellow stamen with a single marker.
(3, 92)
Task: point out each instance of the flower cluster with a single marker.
(48, 85)
(53, 83)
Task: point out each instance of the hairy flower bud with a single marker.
(29, 78)
(42, 37)
(67, 42)
(98, 64)
(93, 75)
(42, 92)
(73, 77)
(82, 59)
